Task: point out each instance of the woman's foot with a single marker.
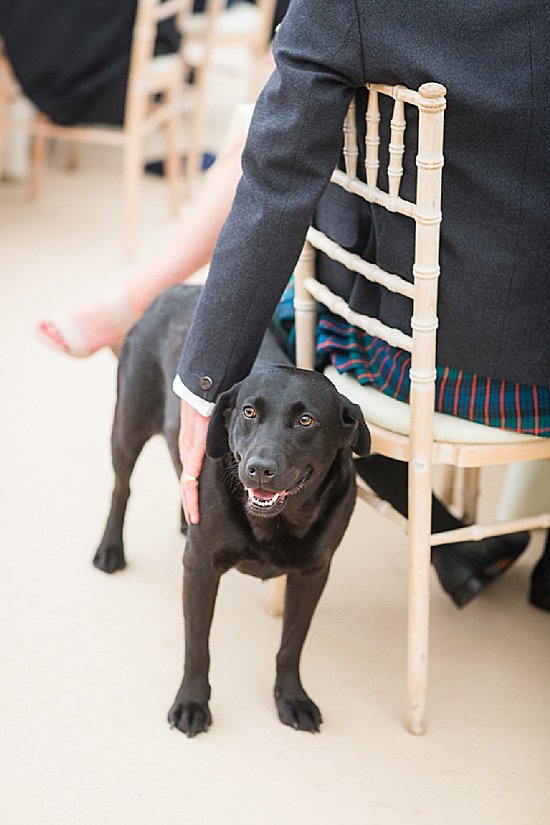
(466, 568)
(84, 331)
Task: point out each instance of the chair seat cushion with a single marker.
(393, 415)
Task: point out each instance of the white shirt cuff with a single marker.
(201, 405)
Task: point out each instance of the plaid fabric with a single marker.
(509, 406)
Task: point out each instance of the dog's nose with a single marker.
(260, 470)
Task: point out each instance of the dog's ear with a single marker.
(358, 432)
(217, 436)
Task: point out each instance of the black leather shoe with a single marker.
(467, 567)
(539, 595)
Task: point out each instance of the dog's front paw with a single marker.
(300, 714)
(190, 717)
(109, 558)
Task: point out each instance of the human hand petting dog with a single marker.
(192, 447)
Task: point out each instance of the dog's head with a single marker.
(285, 427)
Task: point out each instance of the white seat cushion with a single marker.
(394, 415)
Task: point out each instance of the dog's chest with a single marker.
(252, 567)
(268, 558)
(301, 539)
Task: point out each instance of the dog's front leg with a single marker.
(294, 706)
(190, 712)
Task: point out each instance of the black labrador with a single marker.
(276, 491)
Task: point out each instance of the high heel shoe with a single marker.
(466, 568)
(115, 317)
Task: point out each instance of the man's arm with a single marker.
(294, 143)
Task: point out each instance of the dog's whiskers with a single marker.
(231, 474)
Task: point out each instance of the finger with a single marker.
(192, 445)
(184, 502)
(190, 498)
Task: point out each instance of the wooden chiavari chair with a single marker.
(206, 35)
(153, 100)
(410, 432)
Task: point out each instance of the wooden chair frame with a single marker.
(154, 99)
(419, 448)
(150, 77)
(203, 33)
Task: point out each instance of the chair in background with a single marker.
(410, 432)
(8, 94)
(205, 36)
(153, 100)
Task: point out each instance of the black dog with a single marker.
(276, 491)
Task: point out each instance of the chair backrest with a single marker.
(253, 28)
(149, 14)
(267, 8)
(426, 212)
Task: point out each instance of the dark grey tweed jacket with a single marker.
(494, 59)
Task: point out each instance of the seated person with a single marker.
(463, 568)
(495, 249)
(105, 321)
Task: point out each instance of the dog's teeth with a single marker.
(263, 502)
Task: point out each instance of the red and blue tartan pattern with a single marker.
(495, 403)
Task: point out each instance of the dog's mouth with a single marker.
(269, 503)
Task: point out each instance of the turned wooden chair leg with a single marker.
(193, 164)
(4, 105)
(37, 160)
(446, 490)
(133, 158)
(420, 496)
(276, 603)
(172, 163)
(470, 494)
(74, 156)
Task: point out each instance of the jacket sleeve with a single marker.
(294, 143)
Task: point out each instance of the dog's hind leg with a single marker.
(126, 448)
(294, 706)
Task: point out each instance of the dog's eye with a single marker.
(306, 420)
(249, 412)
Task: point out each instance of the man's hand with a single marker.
(192, 446)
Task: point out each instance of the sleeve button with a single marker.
(205, 383)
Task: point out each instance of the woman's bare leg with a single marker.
(104, 322)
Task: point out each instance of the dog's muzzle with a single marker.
(269, 502)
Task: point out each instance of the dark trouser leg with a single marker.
(539, 594)
(388, 478)
(464, 568)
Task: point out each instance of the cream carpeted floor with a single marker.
(90, 663)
